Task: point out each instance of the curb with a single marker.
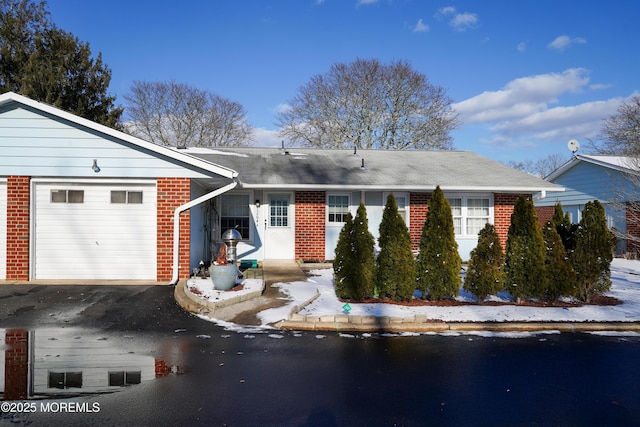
(347, 323)
(416, 323)
(195, 304)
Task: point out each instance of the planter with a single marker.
(224, 276)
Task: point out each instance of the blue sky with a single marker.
(526, 76)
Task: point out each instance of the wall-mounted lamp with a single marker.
(257, 203)
(95, 166)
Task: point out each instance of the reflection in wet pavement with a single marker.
(66, 362)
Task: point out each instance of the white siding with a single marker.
(95, 239)
(3, 229)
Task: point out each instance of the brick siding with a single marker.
(18, 195)
(172, 193)
(310, 233)
(633, 229)
(545, 213)
(502, 209)
(418, 207)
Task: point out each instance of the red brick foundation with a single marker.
(310, 233)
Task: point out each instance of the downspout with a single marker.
(176, 223)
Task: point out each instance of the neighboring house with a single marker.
(291, 203)
(603, 178)
(80, 201)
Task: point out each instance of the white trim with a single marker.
(326, 203)
(8, 97)
(464, 206)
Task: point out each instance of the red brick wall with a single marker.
(418, 207)
(310, 230)
(502, 210)
(545, 213)
(172, 192)
(16, 364)
(633, 229)
(18, 190)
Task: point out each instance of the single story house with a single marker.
(291, 203)
(612, 180)
(80, 201)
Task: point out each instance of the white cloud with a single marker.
(464, 21)
(420, 27)
(522, 96)
(444, 11)
(522, 47)
(266, 138)
(564, 42)
(523, 111)
(366, 2)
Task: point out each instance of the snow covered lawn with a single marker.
(625, 275)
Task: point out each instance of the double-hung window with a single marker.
(402, 201)
(337, 208)
(470, 214)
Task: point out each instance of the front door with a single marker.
(279, 227)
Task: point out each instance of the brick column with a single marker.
(310, 233)
(633, 229)
(418, 207)
(545, 213)
(18, 192)
(502, 209)
(16, 364)
(172, 193)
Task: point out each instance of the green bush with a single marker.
(484, 273)
(438, 263)
(396, 271)
(525, 253)
(343, 272)
(593, 253)
(561, 277)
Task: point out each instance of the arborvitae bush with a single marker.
(561, 277)
(525, 255)
(396, 271)
(364, 257)
(439, 263)
(593, 253)
(343, 271)
(565, 228)
(485, 270)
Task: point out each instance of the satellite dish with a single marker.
(573, 145)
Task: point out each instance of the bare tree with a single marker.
(370, 105)
(541, 167)
(620, 133)
(176, 114)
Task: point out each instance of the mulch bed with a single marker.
(601, 300)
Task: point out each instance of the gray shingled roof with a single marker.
(383, 169)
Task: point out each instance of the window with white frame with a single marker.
(402, 201)
(337, 208)
(234, 213)
(470, 214)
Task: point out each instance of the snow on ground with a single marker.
(625, 275)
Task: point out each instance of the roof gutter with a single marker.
(176, 223)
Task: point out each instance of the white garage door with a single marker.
(3, 229)
(95, 231)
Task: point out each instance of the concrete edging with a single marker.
(194, 304)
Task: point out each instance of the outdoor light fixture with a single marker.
(95, 166)
(257, 202)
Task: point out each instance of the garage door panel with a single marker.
(95, 239)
